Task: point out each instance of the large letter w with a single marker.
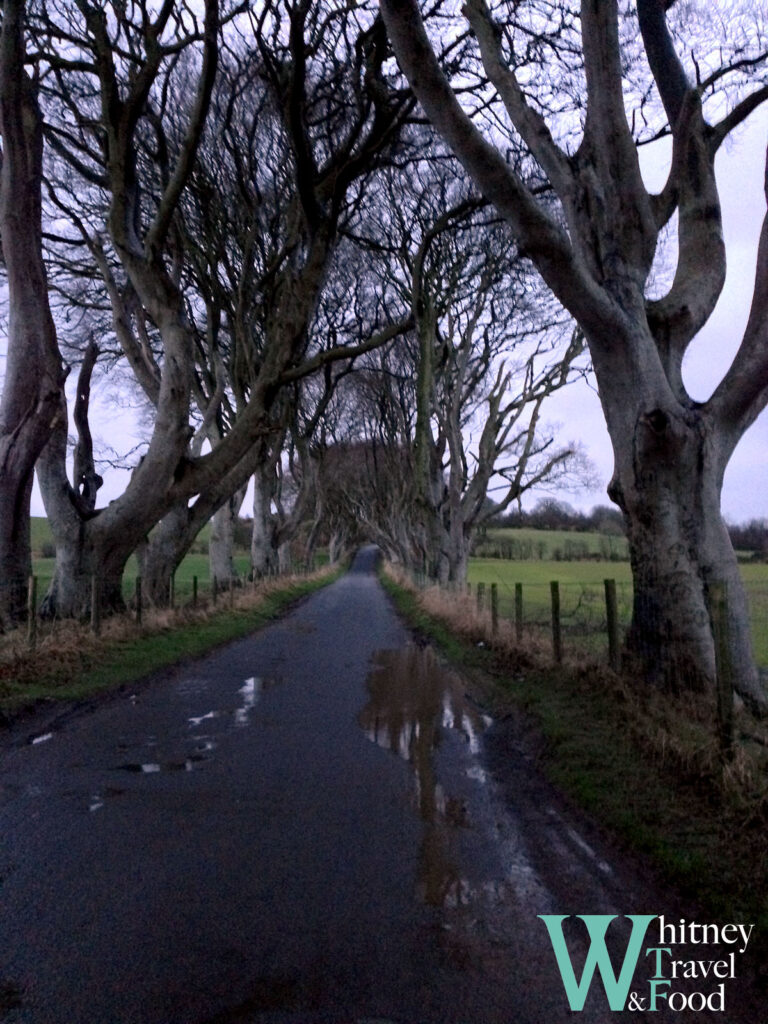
(597, 925)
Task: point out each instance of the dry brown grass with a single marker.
(65, 647)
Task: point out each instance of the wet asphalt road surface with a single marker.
(310, 825)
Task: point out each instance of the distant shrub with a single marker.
(47, 549)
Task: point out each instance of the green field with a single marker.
(527, 544)
(582, 597)
(193, 565)
(581, 581)
(41, 537)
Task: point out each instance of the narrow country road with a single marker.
(305, 826)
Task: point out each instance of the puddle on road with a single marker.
(472, 865)
(192, 686)
(42, 738)
(205, 743)
(412, 699)
(414, 705)
(247, 697)
(186, 764)
(249, 692)
(194, 722)
(99, 799)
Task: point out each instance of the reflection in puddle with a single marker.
(411, 697)
(152, 768)
(194, 722)
(247, 697)
(414, 701)
(250, 692)
(42, 738)
(98, 799)
(472, 863)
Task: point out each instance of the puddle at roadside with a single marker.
(472, 865)
(413, 701)
(417, 710)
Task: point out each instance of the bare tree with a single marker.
(34, 377)
(101, 72)
(213, 334)
(594, 239)
(486, 352)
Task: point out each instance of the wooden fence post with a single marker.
(231, 592)
(718, 610)
(480, 596)
(612, 619)
(519, 612)
(139, 600)
(494, 608)
(194, 591)
(32, 612)
(95, 604)
(557, 638)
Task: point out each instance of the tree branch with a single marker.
(526, 120)
(735, 117)
(669, 74)
(158, 231)
(344, 352)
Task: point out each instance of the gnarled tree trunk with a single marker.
(159, 556)
(81, 549)
(667, 482)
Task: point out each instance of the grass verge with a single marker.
(644, 767)
(72, 664)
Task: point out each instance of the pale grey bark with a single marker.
(34, 377)
(161, 552)
(457, 300)
(338, 545)
(221, 545)
(264, 557)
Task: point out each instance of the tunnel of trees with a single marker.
(339, 256)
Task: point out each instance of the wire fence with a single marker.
(588, 621)
(36, 604)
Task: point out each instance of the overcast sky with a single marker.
(740, 168)
(741, 171)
